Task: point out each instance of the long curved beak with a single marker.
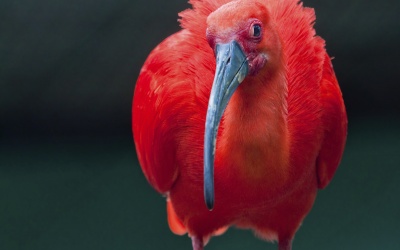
(232, 68)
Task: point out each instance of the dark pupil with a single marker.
(256, 30)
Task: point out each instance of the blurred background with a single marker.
(69, 176)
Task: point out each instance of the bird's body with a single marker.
(280, 138)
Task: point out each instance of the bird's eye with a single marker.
(255, 30)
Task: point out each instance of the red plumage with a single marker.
(281, 137)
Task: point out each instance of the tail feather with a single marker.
(175, 224)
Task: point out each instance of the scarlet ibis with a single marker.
(244, 96)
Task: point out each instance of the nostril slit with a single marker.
(228, 61)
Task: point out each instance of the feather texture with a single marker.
(281, 137)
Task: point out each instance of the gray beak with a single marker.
(232, 68)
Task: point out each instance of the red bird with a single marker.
(244, 96)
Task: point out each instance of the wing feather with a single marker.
(169, 107)
(334, 123)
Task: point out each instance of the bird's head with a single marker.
(248, 24)
(245, 45)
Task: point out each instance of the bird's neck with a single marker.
(254, 140)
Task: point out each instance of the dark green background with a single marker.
(69, 177)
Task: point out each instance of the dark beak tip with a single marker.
(209, 196)
(210, 204)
